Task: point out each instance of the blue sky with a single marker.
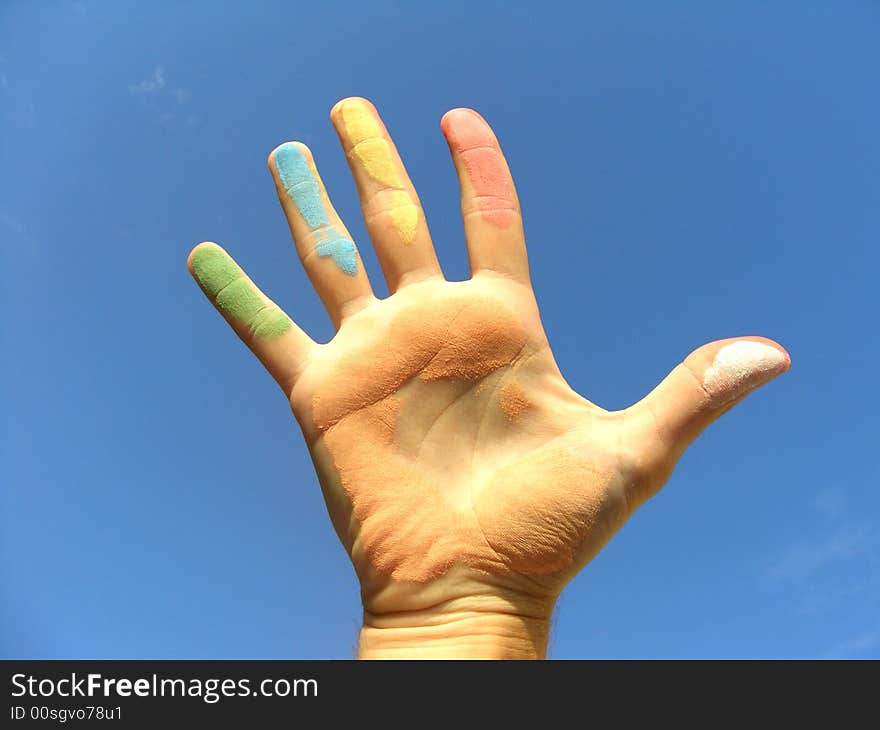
(688, 171)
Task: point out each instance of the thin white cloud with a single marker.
(857, 646)
(150, 85)
(823, 598)
(804, 559)
(831, 567)
(164, 101)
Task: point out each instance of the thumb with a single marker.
(709, 382)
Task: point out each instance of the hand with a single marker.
(467, 481)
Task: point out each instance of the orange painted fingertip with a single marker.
(464, 128)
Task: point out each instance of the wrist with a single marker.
(474, 627)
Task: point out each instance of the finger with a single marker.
(325, 248)
(281, 346)
(709, 382)
(492, 220)
(392, 211)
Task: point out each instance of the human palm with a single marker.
(455, 460)
(439, 417)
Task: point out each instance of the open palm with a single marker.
(454, 458)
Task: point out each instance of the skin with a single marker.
(467, 481)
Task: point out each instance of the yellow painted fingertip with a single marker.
(368, 144)
(359, 121)
(373, 152)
